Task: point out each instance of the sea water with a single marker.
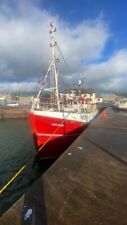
(16, 149)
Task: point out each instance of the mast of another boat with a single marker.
(54, 70)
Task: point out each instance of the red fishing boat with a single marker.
(57, 120)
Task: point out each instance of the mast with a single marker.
(54, 71)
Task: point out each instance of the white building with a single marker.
(3, 101)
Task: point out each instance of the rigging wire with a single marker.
(64, 59)
(42, 147)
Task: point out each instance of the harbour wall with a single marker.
(13, 113)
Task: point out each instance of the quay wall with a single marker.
(13, 113)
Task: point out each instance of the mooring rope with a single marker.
(24, 166)
(12, 179)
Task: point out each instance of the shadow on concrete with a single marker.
(108, 152)
(34, 210)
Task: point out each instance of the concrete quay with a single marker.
(87, 185)
(13, 113)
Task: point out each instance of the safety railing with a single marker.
(64, 106)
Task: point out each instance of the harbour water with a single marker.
(16, 148)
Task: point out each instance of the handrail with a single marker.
(64, 107)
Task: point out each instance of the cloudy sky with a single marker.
(92, 35)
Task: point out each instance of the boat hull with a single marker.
(52, 136)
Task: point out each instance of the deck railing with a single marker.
(75, 107)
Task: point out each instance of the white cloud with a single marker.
(25, 52)
(16, 87)
(83, 42)
(111, 75)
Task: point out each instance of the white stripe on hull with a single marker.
(84, 117)
(49, 135)
(55, 135)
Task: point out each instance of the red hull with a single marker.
(52, 136)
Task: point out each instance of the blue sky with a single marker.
(113, 12)
(92, 35)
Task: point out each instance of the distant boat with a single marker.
(121, 104)
(56, 120)
(13, 104)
